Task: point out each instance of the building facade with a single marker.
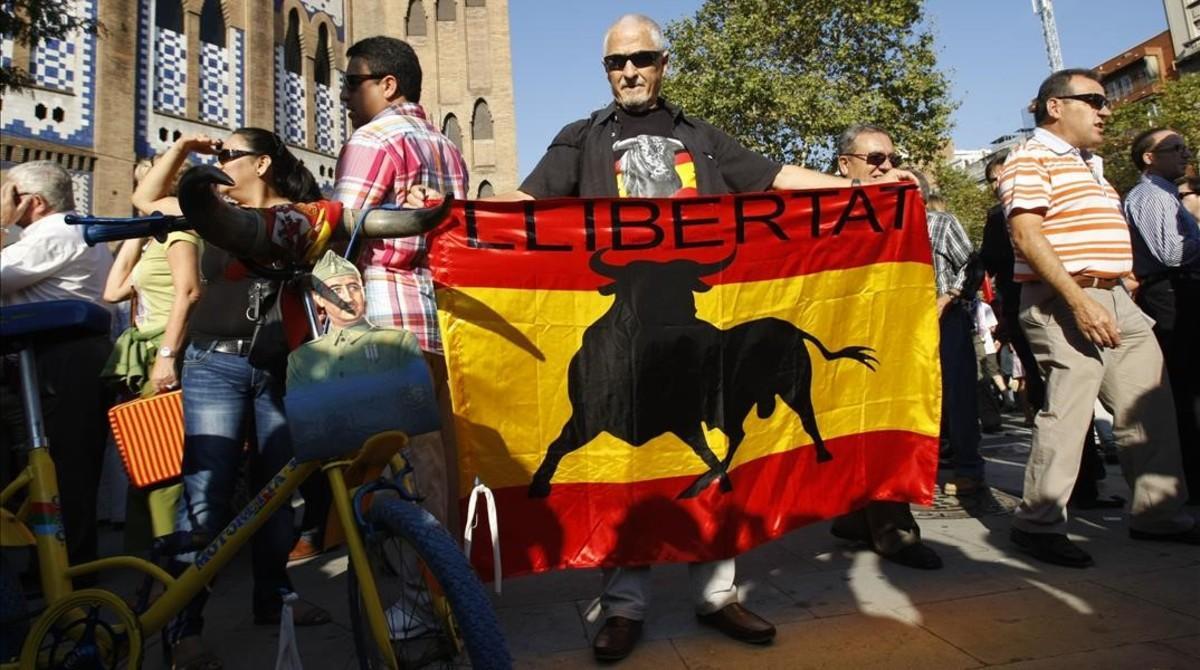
(1183, 20)
(1139, 72)
(163, 68)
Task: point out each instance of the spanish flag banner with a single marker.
(642, 381)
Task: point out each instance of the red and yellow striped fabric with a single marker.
(1083, 219)
(149, 436)
(643, 381)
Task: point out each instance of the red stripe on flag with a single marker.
(548, 244)
(642, 523)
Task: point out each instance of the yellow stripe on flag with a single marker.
(512, 371)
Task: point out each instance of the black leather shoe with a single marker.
(918, 556)
(1191, 536)
(1053, 548)
(740, 624)
(617, 638)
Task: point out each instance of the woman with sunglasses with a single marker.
(223, 394)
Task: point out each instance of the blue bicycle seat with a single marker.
(52, 319)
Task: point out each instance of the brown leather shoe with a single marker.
(304, 548)
(617, 638)
(740, 624)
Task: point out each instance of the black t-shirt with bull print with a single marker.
(649, 162)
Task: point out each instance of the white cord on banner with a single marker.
(473, 521)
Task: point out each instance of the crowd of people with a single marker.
(1096, 296)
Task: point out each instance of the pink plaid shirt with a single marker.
(381, 160)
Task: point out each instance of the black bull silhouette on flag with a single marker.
(649, 366)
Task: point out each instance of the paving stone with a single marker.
(538, 629)
(649, 655)
(1175, 588)
(1128, 656)
(1048, 620)
(1189, 646)
(853, 641)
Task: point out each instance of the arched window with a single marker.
(291, 44)
(416, 19)
(481, 122)
(446, 10)
(451, 129)
(321, 67)
(212, 23)
(485, 190)
(169, 14)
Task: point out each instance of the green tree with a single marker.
(30, 22)
(786, 76)
(965, 198)
(1176, 106)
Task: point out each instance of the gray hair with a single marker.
(849, 136)
(47, 179)
(656, 34)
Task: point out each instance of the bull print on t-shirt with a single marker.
(650, 166)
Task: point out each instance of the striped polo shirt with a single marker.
(1083, 219)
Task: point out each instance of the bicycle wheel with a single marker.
(437, 611)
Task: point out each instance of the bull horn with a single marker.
(705, 269)
(236, 230)
(601, 268)
(393, 222)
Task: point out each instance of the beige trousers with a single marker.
(1130, 382)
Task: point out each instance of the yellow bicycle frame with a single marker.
(41, 513)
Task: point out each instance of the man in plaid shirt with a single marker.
(395, 147)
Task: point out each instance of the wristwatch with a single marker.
(166, 352)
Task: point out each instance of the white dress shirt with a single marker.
(52, 262)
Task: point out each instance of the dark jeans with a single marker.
(960, 409)
(225, 402)
(74, 407)
(1174, 304)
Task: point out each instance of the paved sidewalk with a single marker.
(836, 607)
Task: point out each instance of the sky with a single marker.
(992, 51)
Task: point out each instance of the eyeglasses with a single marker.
(878, 158)
(351, 82)
(1183, 194)
(1096, 101)
(226, 155)
(613, 62)
(1174, 148)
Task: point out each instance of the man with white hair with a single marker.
(50, 261)
(641, 145)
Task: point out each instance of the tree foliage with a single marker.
(787, 76)
(31, 22)
(965, 198)
(1176, 106)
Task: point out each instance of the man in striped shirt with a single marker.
(1166, 260)
(1073, 257)
(395, 147)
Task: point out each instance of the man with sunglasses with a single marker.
(642, 145)
(394, 148)
(1074, 259)
(1166, 260)
(866, 153)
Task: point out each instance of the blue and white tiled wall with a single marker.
(60, 107)
(291, 102)
(170, 71)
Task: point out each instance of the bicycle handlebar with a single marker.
(100, 229)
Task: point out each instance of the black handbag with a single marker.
(269, 345)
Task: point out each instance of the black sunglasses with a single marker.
(1096, 101)
(351, 82)
(226, 155)
(640, 59)
(877, 158)
(1183, 194)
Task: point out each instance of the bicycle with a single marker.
(395, 546)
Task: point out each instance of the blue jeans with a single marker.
(226, 401)
(960, 408)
